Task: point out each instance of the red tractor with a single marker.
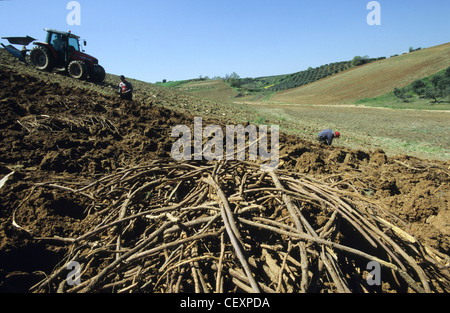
(61, 50)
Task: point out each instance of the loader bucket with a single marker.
(15, 52)
(24, 41)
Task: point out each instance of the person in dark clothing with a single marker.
(125, 89)
(326, 136)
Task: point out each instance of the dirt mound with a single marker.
(414, 190)
(59, 129)
(62, 143)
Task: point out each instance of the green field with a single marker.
(412, 132)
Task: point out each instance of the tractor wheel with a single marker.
(77, 70)
(98, 74)
(41, 59)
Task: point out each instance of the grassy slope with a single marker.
(216, 90)
(371, 80)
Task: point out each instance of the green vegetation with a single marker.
(357, 60)
(430, 93)
(436, 88)
(414, 147)
(233, 80)
(283, 82)
(164, 83)
(289, 81)
(402, 94)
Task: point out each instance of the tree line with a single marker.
(436, 88)
(289, 81)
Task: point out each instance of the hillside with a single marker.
(370, 80)
(215, 90)
(89, 178)
(289, 81)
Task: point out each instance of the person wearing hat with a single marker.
(326, 136)
(125, 89)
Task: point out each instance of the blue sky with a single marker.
(183, 39)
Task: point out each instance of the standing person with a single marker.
(326, 136)
(125, 89)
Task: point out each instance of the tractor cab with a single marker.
(66, 48)
(63, 45)
(58, 39)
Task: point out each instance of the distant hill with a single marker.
(289, 81)
(370, 80)
(256, 88)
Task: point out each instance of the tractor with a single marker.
(61, 50)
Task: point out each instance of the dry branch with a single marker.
(226, 227)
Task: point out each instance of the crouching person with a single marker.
(125, 89)
(326, 136)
